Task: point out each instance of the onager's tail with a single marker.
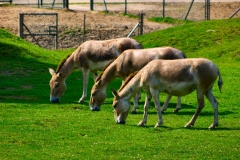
(220, 82)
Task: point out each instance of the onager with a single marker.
(91, 56)
(175, 77)
(128, 62)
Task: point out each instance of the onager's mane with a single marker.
(127, 80)
(62, 62)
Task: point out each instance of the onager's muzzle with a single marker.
(54, 99)
(93, 108)
(118, 120)
(121, 122)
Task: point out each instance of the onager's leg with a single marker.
(155, 95)
(136, 98)
(165, 105)
(214, 103)
(200, 99)
(85, 73)
(178, 107)
(146, 106)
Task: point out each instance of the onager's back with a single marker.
(95, 55)
(90, 56)
(175, 77)
(134, 60)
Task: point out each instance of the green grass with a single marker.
(168, 20)
(33, 128)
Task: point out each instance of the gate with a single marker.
(39, 28)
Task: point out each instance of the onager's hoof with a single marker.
(158, 124)
(141, 123)
(188, 125)
(213, 126)
(81, 100)
(176, 110)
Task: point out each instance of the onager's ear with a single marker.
(51, 71)
(59, 75)
(98, 83)
(114, 92)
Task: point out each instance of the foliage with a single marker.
(33, 128)
(131, 15)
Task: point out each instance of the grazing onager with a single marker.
(128, 62)
(175, 77)
(90, 56)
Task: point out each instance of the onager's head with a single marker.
(121, 108)
(57, 86)
(98, 96)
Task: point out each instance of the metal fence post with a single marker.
(125, 12)
(141, 23)
(20, 25)
(84, 26)
(163, 9)
(56, 36)
(91, 5)
(207, 9)
(66, 4)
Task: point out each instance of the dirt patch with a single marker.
(99, 26)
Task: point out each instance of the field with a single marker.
(33, 128)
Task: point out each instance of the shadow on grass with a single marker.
(169, 128)
(23, 77)
(185, 110)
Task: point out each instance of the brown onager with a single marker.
(90, 56)
(175, 77)
(128, 62)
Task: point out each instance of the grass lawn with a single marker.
(33, 128)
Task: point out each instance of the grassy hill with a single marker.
(33, 128)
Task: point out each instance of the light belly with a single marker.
(96, 66)
(179, 88)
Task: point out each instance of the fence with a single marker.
(39, 28)
(71, 23)
(182, 9)
(53, 3)
(10, 1)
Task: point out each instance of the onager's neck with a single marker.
(130, 89)
(108, 75)
(67, 67)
